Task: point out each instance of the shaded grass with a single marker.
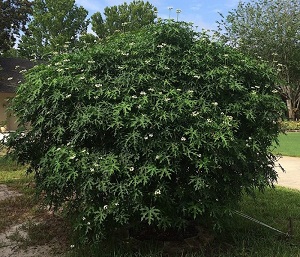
(240, 237)
(289, 144)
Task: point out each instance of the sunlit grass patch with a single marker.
(289, 144)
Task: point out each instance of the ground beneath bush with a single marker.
(46, 236)
(36, 236)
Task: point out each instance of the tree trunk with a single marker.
(290, 109)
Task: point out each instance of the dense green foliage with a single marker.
(123, 17)
(160, 127)
(14, 14)
(55, 28)
(269, 29)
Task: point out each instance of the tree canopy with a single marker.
(55, 27)
(14, 14)
(269, 29)
(124, 17)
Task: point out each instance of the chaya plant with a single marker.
(161, 127)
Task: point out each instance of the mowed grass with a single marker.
(289, 144)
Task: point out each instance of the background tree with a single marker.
(14, 14)
(269, 29)
(124, 17)
(56, 25)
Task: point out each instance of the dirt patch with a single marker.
(6, 193)
(14, 243)
(40, 235)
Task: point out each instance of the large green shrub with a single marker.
(159, 127)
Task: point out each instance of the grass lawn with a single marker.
(289, 144)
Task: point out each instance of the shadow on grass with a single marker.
(240, 237)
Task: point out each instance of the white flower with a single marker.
(17, 67)
(92, 169)
(68, 96)
(145, 137)
(139, 106)
(230, 117)
(209, 120)
(157, 157)
(167, 99)
(147, 61)
(91, 61)
(82, 78)
(183, 139)
(215, 104)
(10, 78)
(60, 70)
(247, 145)
(274, 91)
(178, 89)
(105, 207)
(22, 71)
(58, 149)
(199, 155)
(250, 138)
(83, 218)
(73, 157)
(131, 169)
(88, 223)
(143, 93)
(190, 91)
(195, 113)
(66, 60)
(151, 89)
(116, 204)
(197, 77)
(72, 246)
(19, 82)
(134, 96)
(150, 135)
(157, 192)
(98, 85)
